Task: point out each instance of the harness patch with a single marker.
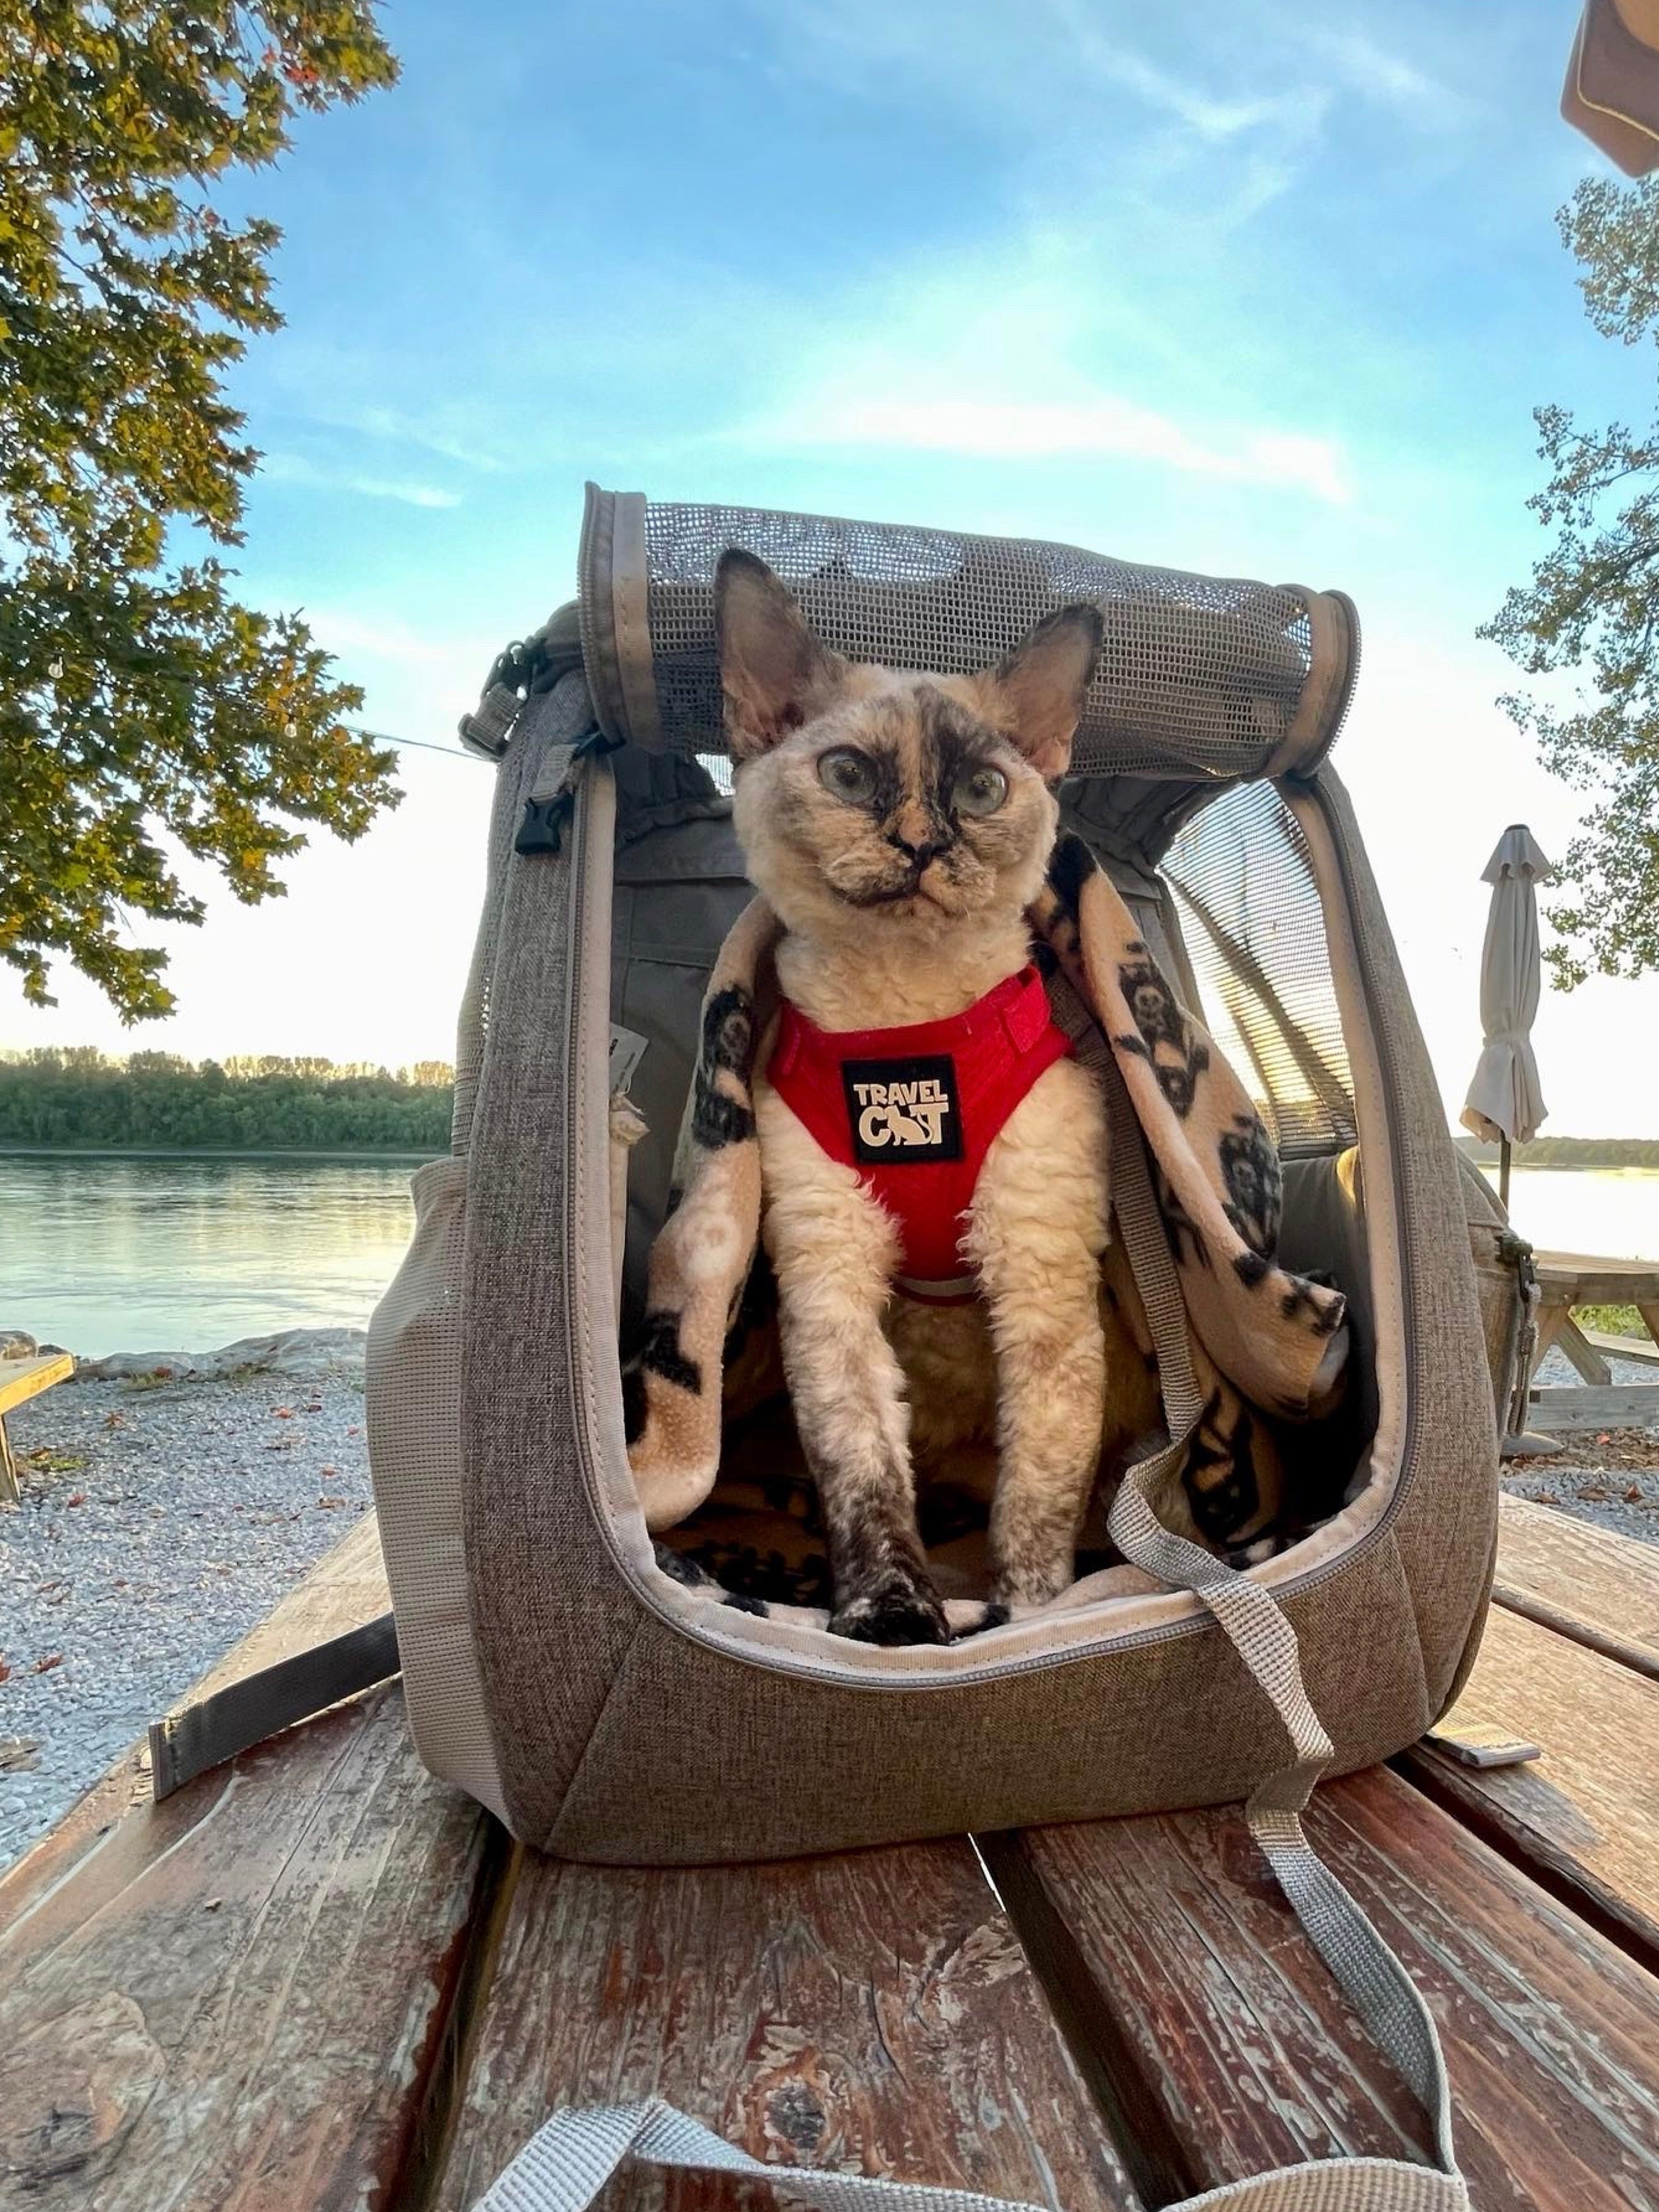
(902, 1110)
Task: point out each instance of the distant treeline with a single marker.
(82, 1098)
(1574, 1152)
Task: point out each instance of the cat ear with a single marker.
(773, 671)
(1037, 694)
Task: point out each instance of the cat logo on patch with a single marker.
(902, 1109)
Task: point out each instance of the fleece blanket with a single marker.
(1268, 1346)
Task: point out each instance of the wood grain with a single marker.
(1599, 1589)
(1642, 1349)
(1584, 1818)
(23, 1379)
(1202, 1978)
(20, 1380)
(346, 1588)
(235, 2002)
(872, 2012)
(1583, 1356)
(1586, 1278)
(1578, 1409)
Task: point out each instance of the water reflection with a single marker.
(105, 1255)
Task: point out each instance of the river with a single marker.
(104, 1253)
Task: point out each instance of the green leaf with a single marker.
(139, 699)
(1591, 613)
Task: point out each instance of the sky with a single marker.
(1263, 290)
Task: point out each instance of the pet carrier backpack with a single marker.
(618, 1699)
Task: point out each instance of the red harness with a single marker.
(915, 1109)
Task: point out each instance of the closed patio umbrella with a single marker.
(1505, 1104)
(1612, 91)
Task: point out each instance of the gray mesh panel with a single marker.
(1253, 930)
(1200, 676)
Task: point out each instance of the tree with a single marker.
(138, 699)
(1593, 607)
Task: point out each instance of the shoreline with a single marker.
(392, 1157)
(1566, 1167)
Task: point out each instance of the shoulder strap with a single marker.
(1371, 1977)
(229, 1721)
(564, 2165)
(567, 2162)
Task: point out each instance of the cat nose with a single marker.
(917, 855)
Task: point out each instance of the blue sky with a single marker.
(1258, 289)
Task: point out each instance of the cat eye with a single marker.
(979, 791)
(847, 774)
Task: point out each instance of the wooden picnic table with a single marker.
(1566, 1279)
(21, 1379)
(320, 1979)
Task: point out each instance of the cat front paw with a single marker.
(894, 1613)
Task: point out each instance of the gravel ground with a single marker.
(157, 1526)
(1612, 1480)
(159, 1523)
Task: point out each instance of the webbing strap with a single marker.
(1369, 1975)
(232, 1720)
(565, 2164)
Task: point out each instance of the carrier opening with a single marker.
(1222, 886)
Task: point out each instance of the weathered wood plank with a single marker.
(1642, 1349)
(1584, 1818)
(1199, 1975)
(1572, 1409)
(346, 1588)
(1600, 1589)
(872, 2012)
(23, 1379)
(237, 1999)
(1583, 1356)
(20, 1381)
(1588, 1279)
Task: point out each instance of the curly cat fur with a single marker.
(901, 910)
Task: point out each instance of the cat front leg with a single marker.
(832, 1249)
(1037, 1228)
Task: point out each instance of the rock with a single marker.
(289, 1352)
(17, 1344)
(315, 1350)
(122, 1366)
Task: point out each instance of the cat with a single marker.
(900, 824)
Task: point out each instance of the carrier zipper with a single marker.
(1200, 1621)
(1351, 680)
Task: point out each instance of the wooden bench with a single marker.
(20, 1381)
(320, 1979)
(1566, 1279)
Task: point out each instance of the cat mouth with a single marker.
(912, 892)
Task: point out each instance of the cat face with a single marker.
(869, 797)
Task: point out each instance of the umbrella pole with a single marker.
(1503, 1173)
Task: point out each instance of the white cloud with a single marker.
(440, 434)
(1012, 351)
(1103, 424)
(1374, 73)
(300, 469)
(388, 638)
(1108, 61)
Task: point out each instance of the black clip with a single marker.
(518, 665)
(542, 829)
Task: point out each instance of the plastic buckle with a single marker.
(518, 664)
(515, 670)
(542, 829)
